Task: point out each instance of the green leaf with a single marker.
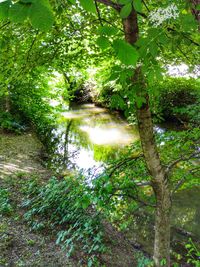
(107, 30)
(125, 11)
(88, 5)
(137, 5)
(126, 53)
(41, 16)
(85, 202)
(18, 12)
(4, 8)
(124, 2)
(140, 100)
(188, 22)
(103, 42)
(153, 48)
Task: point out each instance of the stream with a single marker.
(88, 136)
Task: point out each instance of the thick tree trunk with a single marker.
(159, 179)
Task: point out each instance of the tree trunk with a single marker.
(195, 11)
(160, 186)
(159, 179)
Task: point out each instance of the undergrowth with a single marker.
(5, 203)
(65, 207)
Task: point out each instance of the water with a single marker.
(87, 137)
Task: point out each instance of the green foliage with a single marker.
(38, 12)
(137, 5)
(193, 254)
(41, 15)
(11, 123)
(88, 5)
(126, 53)
(143, 261)
(31, 98)
(5, 205)
(66, 204)
(177, 99)
(103, 42)
(126, 10)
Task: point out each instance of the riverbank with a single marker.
(19, 246)
(20, 161)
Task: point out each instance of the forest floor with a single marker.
(19, 245)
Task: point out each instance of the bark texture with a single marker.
(160, 187)
(159, 179)
(196, 12)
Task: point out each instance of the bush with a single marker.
(178, 100)
(11, 123)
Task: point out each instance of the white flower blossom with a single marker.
(160, 15)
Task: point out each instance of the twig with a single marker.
(182, 181)
(173, 164)
(5, 24)
(134, 198)
(111, 4)
(98, 12)
(112, 24)
(146, 5)
(121, 163)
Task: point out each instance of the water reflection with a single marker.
(186, 210)
(88, 136)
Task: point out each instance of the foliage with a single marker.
(66, 206)
(143, 261)
(5, 205)
(193, 254)
(177, 99)
(11, 123)
(172, 99)
(86, 33)
(38, 12)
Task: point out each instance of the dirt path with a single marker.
(20, 154)
(19, 245)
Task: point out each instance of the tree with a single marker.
(140, 52)
(129, 11)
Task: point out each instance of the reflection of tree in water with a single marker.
(106, 153)
(64, 144)
(66, 156)
(84, 138)
(186, 210)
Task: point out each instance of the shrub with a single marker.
(66, 205)
(178, 100)
(11, 123)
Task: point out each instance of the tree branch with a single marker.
(4, 25)
(182, 181)
(173, 164)
(125, 161)
(111, 4)
(134, 198)
(98, 12)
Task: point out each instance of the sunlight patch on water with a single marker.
(85, 159)
(107, 136)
